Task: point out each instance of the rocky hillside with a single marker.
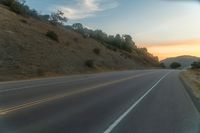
(185, 60)
(27, 52)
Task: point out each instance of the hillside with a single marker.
(27, 52)
(185, 60)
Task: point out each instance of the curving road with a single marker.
(140, 101)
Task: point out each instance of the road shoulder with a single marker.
(190, 80)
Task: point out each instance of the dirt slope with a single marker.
(27, 52)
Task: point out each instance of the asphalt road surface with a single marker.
(140, 101)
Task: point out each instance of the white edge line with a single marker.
(119, 119)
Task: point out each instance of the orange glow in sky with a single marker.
(175, 48)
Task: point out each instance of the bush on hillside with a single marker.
(52, 35)
(75, 39)
(18, 8)
(116, 42)
(40, 72)
(195, 65)
(162, 65)
(89, 63)
(57, 18)
(7, 2)
(24, 21)
(123, 42)
(111, 47)
(96, 51)
(175, 65)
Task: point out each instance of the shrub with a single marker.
(24, 21)
(175, 65)
(195, 65)
(85, 35)
(7, 2)
(52, 35)
(58, 18)
(17, 8)
(67, 43)
(96, 51)
(162, 65)
(89, 63)
(75, 39)
(111, 47)
(40, 72)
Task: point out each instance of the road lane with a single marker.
(168, 109)
(44, 91)
(4, 111)
(35, 83)
(94, 111)
(120, 118)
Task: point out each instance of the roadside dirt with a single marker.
(192, 79)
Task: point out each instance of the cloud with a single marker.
(86, 8)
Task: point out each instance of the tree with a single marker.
(7, 2)
(195, 65)
(118, 40)
(58, 18)
(19, 7)
(44, 17)
(175, 65)
(77, 26)
(99, 35)
(128, 44)
(162, 65)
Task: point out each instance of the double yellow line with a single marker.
(30, 104)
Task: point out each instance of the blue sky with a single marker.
(149, 22)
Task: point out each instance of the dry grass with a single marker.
(27, 52)
(192, 78)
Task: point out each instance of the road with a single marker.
(139, 101)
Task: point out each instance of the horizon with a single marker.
(166, 28)
(92, 66)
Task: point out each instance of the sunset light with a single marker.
(175, 48)
(100, 66)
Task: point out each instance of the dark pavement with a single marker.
(140, 101)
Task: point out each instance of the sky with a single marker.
(167, 28)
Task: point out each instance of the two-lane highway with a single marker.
(141, 101)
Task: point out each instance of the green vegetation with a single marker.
(123, 42)
(52, 35)
(40, 72)
(90, 63)
(96, 51)
(116, 43)
(19, 7)
(75, 39)
(123, 45)
(113, 42)
(175, 65)
(7, 2)
(24, 21)
(195, 65)
(57, 18)
(162, 65)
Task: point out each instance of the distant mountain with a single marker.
(185, 60)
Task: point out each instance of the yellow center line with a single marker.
(30, 104)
